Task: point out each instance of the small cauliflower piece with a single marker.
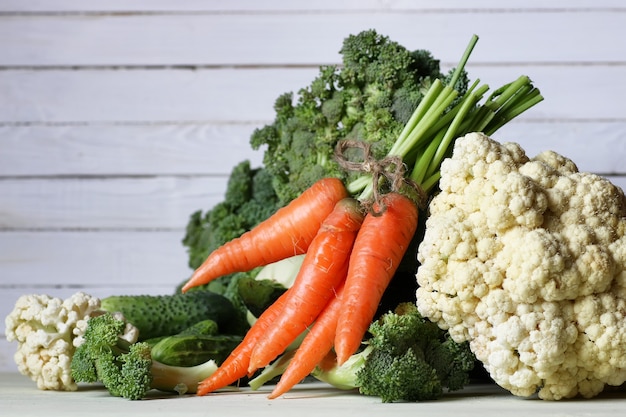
(46, 329)
(526, 259)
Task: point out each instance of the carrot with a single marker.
(378, 250)
(287, 232)
(314, 347)
(235, 366)
(325, 265)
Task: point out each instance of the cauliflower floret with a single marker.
(526, 259)
(45, 328)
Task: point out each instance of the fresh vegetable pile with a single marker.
(384, 246)
(353, 224)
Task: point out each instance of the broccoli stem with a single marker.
(180, 379)
(343, 376)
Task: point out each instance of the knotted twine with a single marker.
(389, 168)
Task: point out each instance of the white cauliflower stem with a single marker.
(47, 329)
(526, 259)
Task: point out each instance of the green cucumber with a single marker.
(191, 350)
(165, 315)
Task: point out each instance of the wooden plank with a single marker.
(214, 149)
(301, 6)
(7, 350)
(132, 149)
(595, 147)
(162, 202)
(106, 203)
(248, 95)
(225, 39)
(86, 259)
(146, 95)
(97, 258)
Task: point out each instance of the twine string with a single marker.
(390, 169)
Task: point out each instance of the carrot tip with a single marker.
(342, 355)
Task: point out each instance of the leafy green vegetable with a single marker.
(271, 282)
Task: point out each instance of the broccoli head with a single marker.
(124, 368)
(128, 368)
(369, 97)
(406, 358)
(405, 377)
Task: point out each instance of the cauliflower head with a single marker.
(526, 259)
(47, 330)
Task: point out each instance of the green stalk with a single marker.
(403, 145)
(430, 182)
(452, 132)
(532, 98)
(423, 161)
(423, 106)
(443, 98)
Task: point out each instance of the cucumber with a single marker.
(165, 315)
(206, 327)
(202, 328)
(191, 350)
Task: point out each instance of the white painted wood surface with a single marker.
(21, 399)
(119, 119)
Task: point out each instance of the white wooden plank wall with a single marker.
(119, 119)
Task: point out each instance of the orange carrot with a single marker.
(325, 265)
(314, 347)
(286, 233)
(235, 366)
(378, 250)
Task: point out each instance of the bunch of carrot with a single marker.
(351, 256)
(352, 245)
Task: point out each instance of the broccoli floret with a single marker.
(406, 358)
(369, 97)
(403, 377)
(125, 368)
(121, 366)
(369, 57)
